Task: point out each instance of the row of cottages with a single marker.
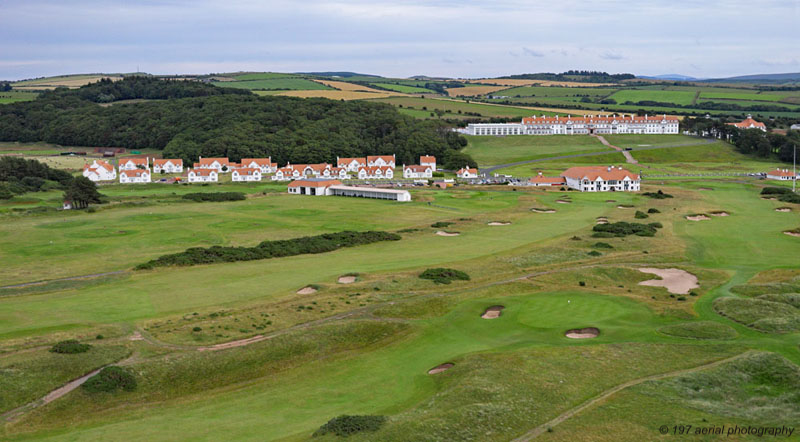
(782, 175)
(580, 125)
(99, 170)
(328, 187)
(356, 164)
(319, 170)
(467, 172)
(592, 179)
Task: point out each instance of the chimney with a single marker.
(608, 169)
(540, 173)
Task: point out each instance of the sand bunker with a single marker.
(443, 233)
(790, 233)
(440, 368)
(700, 217)
(583, 333)
(783, 209)
(543, 210)
(720, 213)
(346, 279)
(306, 290)
(621, 206)
(136, 336)
(676, 281)
(499, 223)
(602, 220)
(492, 312)
(563, 201)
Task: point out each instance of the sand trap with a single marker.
(720, 213)
(676, 281)
(440, 368)
(624, 207)
(306, 291)
(136, 336)
(492, 312)
(443, 233)
(563, 201)
(583, 333)
(783, 209)
(602, 221)
(768, 198)
(543, 210)
(346, 279)
(797, 234)
(499, 223)
(697, 217)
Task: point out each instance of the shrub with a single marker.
(327, 242)
(640, 215)
(582, 283)
(346, 425)
(660, 195)
(214, 196)
(110, 379)
(70, 347)
(444, 276)
(594, 253)
(602, 245)
(790, 198)
(622, 228)
(441, 224)
(653, 210)
(775, 190)
(197, 329)
(98, 337)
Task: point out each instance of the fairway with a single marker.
(489, 151)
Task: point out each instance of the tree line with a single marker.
(192, 119)
(747, 141)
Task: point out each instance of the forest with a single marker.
(189, 119)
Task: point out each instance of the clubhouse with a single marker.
(328, 187)
(592, 179)
(581, 125)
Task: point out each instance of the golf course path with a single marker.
(488, 170)
(70, 278)
(628, 157)
(532, 434)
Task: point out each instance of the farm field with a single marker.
(287, 83)
(13, 96)
(454, 106)
(677, 97)
(403, 88)
(366, 347)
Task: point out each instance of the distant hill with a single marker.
(759, 78)
(672, 77)
(338, 74)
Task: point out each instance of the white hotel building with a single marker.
(581, 125)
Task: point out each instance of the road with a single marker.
(489, 170)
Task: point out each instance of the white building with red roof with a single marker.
(335, 172)
(133, 163)
(167, 165)
(750, 123)
(547, 181)
(467, 173)
(415, 171)
(217, 164)
(246, 174)
(782, 175)
(381, 161)
(264, 164)
(323, 187)
(202, 176)
(99, 170)
(602, 179)
(428, 160)
(311, 186)
(376, 173)
(351, 164)
(580, 125)
(286, 174)
(135, 176)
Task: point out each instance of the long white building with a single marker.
(580, 125)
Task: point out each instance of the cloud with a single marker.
(611, 56)
(531, 52)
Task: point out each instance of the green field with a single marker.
(16, 96)
(461, 107)
(403, 88)
(365, 348)
(261, 76)
(677, 97)
(274, 84)
(564, 93)
(742, 96)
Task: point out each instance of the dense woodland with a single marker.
(190, 119)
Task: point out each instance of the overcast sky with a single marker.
(465, 38)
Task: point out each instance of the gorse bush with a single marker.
(602, 245)
(441, 224)
(444, 276)
(640, 215)
(270, 249)
(346, 425)
(215, 197)
(110, 379)
(70, 346)
(660, 195)
(653, 210)
(775, 190)
(790, 198)
(622, 228)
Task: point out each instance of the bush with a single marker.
(790, 198)
(444, 276)
(327, 242)
(775, 190)
(594, 253)
(582, 283)
(214, 196)
(346, 425)
(657, 195)
(602, 245)
(622, 228)
(653, 210)
(441, 224)
(640, 215)
(70, 347)
(110, 379)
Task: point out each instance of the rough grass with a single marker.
(761, 314)
(700, 330)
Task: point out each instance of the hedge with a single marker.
(214, 196)
(270, 249)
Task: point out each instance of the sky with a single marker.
(462, 39)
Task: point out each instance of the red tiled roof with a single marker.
(427, 159)
(203, 172)
(161, 162)
(208, 161)
(416, 168)
(468, 169)
(247, 171)
(781, 172)
(314, 183)
(341, 161)
(373, 169)
(592, 173)
(749, 122)
(539, 179)
(98, 163)
(260, 161)
(387, 158)
(598, 119)
(135, 173)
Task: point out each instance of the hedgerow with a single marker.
(346, 425)
(622, 228)
(444, 276)
(215, 197)
(327, 242)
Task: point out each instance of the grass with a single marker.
(275, 84)
(500, 150)
(700, 330)
(16, 96)
(403, 88)
(677, 97)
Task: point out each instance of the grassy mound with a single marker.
(762, 313)
(761, 388)
(110, 379)
(214, 196)
(346, 425)
(70, 347)
(700, 330)
(444, 276)
(622, 228)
